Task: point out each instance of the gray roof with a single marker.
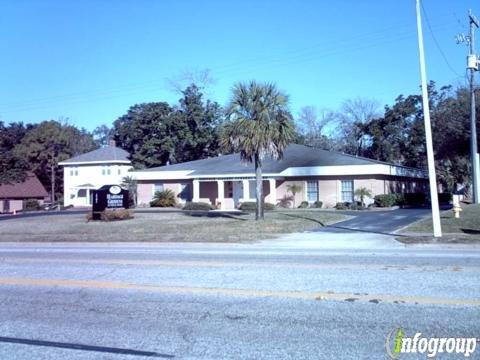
(105, 154)
(294, 156)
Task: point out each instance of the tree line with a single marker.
(159, 133)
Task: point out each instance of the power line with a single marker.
(437, 44)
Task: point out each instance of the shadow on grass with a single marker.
(303, 217)
(471, 231)
(215, 214)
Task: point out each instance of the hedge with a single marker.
(252, 205)
(197, 206)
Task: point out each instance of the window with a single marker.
(119, 171)
(106, 170)
(73, 171)
(312, 191)
(158, 188)
(347, 190)
(82, 193)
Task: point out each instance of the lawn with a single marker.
(163, 227)
(465, 229)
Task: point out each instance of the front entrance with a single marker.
(237, 192)
(6, 205)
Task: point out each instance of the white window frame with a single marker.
(352, 191)
(307, 192)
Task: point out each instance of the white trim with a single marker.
(377, 169)
(354, 170)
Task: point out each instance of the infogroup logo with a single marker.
(398, 343)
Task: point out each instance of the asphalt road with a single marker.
(270, 300)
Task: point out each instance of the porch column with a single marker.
(273, 191)
(196, 191)
(88, 197)
(221, 193)
(246, 190)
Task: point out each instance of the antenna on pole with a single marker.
(437, 227)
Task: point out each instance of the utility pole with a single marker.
(472, 64)
(437, 227)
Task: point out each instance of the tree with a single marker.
(363, 193)
(260, 125)
(294, 189)
(129, 183)
(156, 133)
(148, 132)
(48, 143)
(352, 117)
(12, 167)
(312, 127)
(102, 135)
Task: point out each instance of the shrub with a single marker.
(285, 202)
(189, 206)
(252, 205)
(113, 215)
(32, 204)
(357, 205)
(342, 206)
(444, 198)
(399, 199)
(165, 198)
(415, 199)
(363, 193)
(317, 204)
(385, 200)
(303, 205)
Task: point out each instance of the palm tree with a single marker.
(362, 193)
(260, 125)
(294, 189)
(129, 183)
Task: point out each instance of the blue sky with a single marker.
(91, 60)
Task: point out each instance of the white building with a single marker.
(92, 170)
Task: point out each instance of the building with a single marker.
(92, 170)
(326, 176)
(14, 196)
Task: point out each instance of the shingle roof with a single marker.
(105, 154)
(294, 156)
(30, 188)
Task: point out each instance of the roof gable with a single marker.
(30, 188)
(105, 154)
(294, 156)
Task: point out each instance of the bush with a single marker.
(317, 204)
(385, 200)
(399, 199)
(357, 205)
(113, 215)
(252, 205)
(165, 198)
(303, 205)
(444, 198)
(285, 202)
(32, 204)
(342, 206)
(190, 206)
(415, 199)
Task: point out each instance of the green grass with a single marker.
(464, 229)
(163, 227)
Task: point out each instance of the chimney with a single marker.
(112, 143)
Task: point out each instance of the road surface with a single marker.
(270, 300)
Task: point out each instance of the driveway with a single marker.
(380, 222)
